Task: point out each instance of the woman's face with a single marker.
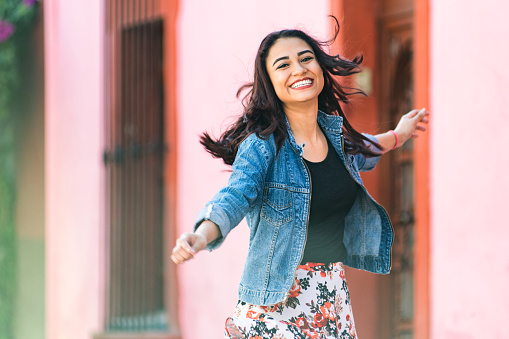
(294, 71)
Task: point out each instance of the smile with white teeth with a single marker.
(302, 83)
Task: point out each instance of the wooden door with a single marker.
(397, 84)
(134, 162)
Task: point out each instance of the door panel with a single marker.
(396, 64)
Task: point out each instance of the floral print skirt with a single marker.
(318, 307)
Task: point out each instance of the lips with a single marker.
(301, 83)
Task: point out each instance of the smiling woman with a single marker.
(295, 177)
(297, 77)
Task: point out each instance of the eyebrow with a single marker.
(298, 54)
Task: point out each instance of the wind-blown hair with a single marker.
(263, 111)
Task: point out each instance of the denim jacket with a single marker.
(274, 194)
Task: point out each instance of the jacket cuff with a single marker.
(217, 216)
(370, 162)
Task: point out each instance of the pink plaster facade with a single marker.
(74, 170)
(469, 164)
(216, 44)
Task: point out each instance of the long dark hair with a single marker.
(263, 111)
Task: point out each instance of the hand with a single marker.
(410, 124)
(187, 246)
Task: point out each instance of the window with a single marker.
(135, 166)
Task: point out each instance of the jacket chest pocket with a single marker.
(277, 208)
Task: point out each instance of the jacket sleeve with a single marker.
(364, 163)
(229, 206)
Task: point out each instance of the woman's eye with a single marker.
(306, 59)
(282, 66)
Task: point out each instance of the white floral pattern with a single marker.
(318, 307)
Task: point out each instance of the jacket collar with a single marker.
(328, 123)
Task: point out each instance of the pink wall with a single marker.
(73, 71)
(217, 42)
(469, 166)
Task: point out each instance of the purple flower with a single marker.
(29, 2)
(6, 30)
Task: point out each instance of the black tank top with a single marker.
(333, 193)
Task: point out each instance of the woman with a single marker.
(295, 177)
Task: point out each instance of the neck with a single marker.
(303, 122)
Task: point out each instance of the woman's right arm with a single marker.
(230, 205)
(191, 243)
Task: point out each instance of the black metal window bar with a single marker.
(134, 167)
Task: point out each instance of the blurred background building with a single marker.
(108, 167)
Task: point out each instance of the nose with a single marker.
(299, 69)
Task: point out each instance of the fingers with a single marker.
(417, 114)
(186, 241)
(412, 114)
(177, 258)
(421, 118)
(418, 129)
(421, 115)
(183, 250)
(412, 124)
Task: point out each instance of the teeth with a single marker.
(302, 83)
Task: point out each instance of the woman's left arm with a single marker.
(408, 127)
